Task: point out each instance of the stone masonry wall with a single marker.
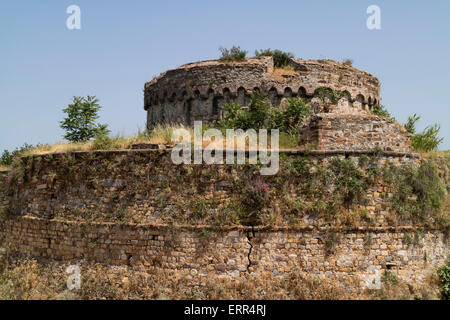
(51, 188)
(350, 132)
(198, 91)
(364, 253)
(98, 184)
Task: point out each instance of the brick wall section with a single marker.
(355, 132)
(231, 252)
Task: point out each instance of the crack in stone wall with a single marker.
(250, 235)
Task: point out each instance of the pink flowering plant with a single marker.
(257, 192)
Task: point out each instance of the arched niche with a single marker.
(242, 96)
(274, 98)
(288, 92)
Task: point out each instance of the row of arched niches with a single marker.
(193, 104)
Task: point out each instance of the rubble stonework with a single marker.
(41, 225)
(99, 182)
(231, 252)
(328, 131)
(198, 91)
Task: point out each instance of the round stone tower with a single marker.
(336, 91)
(198, 91)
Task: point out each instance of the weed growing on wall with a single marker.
(280, 58)
(444, 278)
(261, 115)
(327, 94)
(389, 277)
(348, 62)
(306, 190)
(7, 157)
(381, 111)
(428, 139)
(418, 193)
(350, 182)
(233, 54)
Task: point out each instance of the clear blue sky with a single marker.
(123, 44)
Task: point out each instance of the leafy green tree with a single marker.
(426, 140)
(80, 125)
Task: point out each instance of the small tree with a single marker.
(80, 123)
(426, 140)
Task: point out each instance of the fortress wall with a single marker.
(362, 254)
(198, 91)
(96, 185)
(361, 132)
(57, 191)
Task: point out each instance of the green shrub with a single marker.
(80, 123)
(291, 119)
(280, 58)
(259, 110)
(233, 54)
(7, 157)
(389, 277)
(255, 116)
(300, 166)
(348, 62)
(381, 111)
(444, 278)
(350, 182)
(426, 140)
(289, 140)
(325, 93)
(418, 192)
(259, 114)
(410, 124)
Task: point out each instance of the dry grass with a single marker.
(280, 74)
(435, 154)
(25, 279)
(159, 135)
(401, 290)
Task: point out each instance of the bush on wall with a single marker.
(280, 58)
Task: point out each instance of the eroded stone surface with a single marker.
(198, 91)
